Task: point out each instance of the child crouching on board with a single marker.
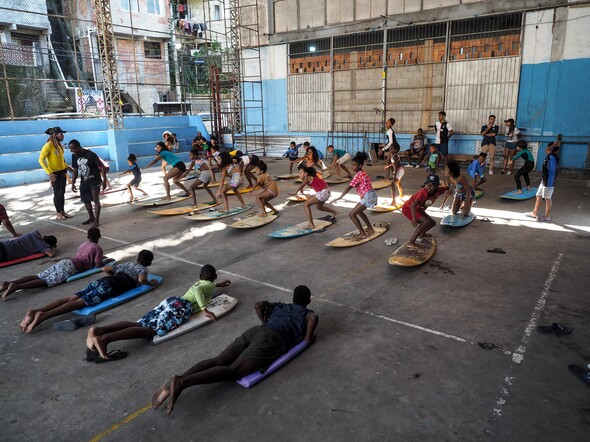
(167, 316)
(270, 189)
(204, 177)
(415, 208)
(234, 169)
(136, 171)
(364, 187)
(309, 177)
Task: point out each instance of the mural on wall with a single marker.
(90, 102)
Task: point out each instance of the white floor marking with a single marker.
(518, 355)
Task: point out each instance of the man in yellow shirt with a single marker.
(53, 163)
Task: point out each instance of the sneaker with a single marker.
(508, 173)
(417, 166)
(491, 172)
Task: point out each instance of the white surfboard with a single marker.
(220, 306)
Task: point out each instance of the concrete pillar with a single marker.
(118, 149)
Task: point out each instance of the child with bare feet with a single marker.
(136, 171)
(415, 208)
(178, 168)
(397, 174)
(283, 326)
(270, 189)
(234, 169)
(28, 244)
(464, 193)
(364, 187)
(89, 255)
(121, 278)
(309, 177)
(204, 178)
(167, 316)
(5, 221)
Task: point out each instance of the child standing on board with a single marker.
(464, 193)
(292, 154)
(364, 187)
(270, 189)
(171, 313)
(178, 168)
(522, 151)
(475, 170)
(234, 169)
(136, 171)
(415, 208)
(336, 159)
(309, 177)
(548, 182)
(204, 177)
(398, 172)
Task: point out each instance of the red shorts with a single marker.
(408, 212)
(3, 214)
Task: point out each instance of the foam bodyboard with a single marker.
(23, 259)
(89, 272)
(253, 378)
(120, 299)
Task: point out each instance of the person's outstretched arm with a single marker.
(263, 310)
(312, 322)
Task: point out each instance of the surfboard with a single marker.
(241, 190)
(405, 257)
(297, 198)
(287, 176)
(184, 210)
(525, 195)
(479, 194)
(112, 203)
(250, 222)
(192, 176)
(220, 306)
(216, 214)
(300, 229)
(381, 184)
(337, 180)
(160, 202)
(349, 240)
(457, 220)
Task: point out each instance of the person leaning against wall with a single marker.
(53, 163)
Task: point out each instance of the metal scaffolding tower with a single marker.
(108, 63)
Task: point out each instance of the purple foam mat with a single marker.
(253, 378)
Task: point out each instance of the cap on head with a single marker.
(55, 130)
(432, 179)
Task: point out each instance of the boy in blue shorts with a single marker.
(292, 154)
(547, 183)
(168, 315)
(121, 278)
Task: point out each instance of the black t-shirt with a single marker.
(87, 166)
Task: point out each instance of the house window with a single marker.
(216, 12)
(132, 5)
(153, 6)
(152, 49)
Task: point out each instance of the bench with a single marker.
(172, 107)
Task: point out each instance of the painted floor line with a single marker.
(118, 425)
(518, 355)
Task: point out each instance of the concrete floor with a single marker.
(397, 355)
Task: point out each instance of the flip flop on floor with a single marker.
(73, 324)
(91, 355)
(580, 373)
(115, 355)
(496, 250)
(556, 328)
(486, 220)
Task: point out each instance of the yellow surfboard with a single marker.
(349, 239)
(250, 222)
(381, 184)
(405, 257)
(241, 190)
(184, 210)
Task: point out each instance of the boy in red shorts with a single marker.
(415, 208)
